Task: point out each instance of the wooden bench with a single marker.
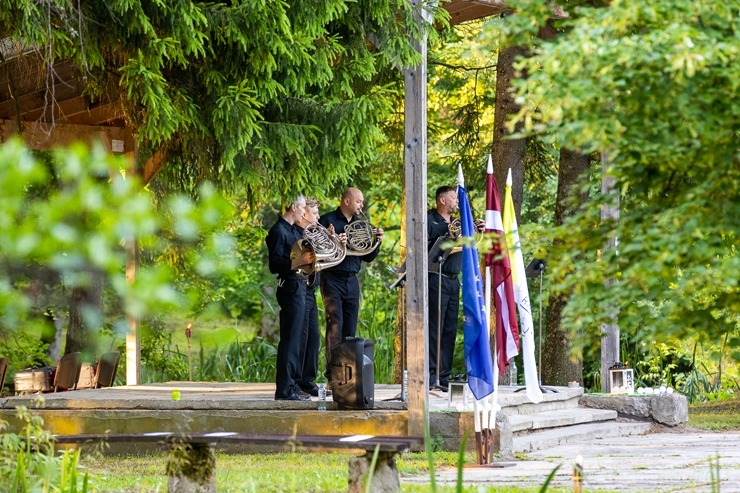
(191, 464)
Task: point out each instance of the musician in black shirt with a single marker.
(340, 289)
(291, 296)
(440, 224)
(310, 368)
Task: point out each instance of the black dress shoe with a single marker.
(294, 397)
(441, 387)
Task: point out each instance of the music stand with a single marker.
(535, 269)
(400, 282)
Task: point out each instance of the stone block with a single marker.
(666, 409)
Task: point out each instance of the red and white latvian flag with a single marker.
(507, 333)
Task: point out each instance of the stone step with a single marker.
(562, 417)
(517, 402)
(578, 433)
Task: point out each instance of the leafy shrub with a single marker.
(28, 462)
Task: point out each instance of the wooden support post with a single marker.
(384, 478)
(417, 294)
(133, 335)
(191, 468)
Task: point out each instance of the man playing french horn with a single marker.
(309, 220)
(291, 296)
(340, 289)
(444, 286)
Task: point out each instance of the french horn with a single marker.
(326, 247)
(454, 229)
(361, 238)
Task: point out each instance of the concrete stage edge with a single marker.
(246, 408)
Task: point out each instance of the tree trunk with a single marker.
(85, 316)
(557, 366)
(507, 153)
(610, 331)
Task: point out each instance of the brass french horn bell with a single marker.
(361, 238)
(454, 229)
(327, 249)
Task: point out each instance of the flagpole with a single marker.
(478, 418)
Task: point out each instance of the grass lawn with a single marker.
(285, 472)
(715, 416)
(304, 472)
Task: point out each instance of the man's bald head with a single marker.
(352, 202)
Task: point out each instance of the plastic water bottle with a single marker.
(512, 373)
(322, 397)
(405, 386)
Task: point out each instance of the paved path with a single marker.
(677, 460)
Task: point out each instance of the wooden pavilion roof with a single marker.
(53, 109)
(468, 10)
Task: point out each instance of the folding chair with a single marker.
(105, 375)
(68, 372)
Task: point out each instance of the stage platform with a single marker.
(246, 408)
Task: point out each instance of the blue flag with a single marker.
(475, 327)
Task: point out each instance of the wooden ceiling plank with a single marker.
(35, 80)
(38, 100)
(97, 114)
(43, 136)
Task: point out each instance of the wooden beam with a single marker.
(417, 294)
(133, 334)
(43, 136)
(55, 110)
(96, 113)
(152, 166)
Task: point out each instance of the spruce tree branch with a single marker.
(463, 68)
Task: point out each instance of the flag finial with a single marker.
(489, 168)
(509, 181)
(460, 178)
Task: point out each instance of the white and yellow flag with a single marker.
(521, 296)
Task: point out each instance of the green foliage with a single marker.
(160, 360)
(259, 96)
(28, 462)
(649, 84)
(462, 85)
(251, 361)
(23, 350)
(75, 230)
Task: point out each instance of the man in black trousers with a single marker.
(340, 289)
(438, 226)
(291, 296)
(307, 381)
